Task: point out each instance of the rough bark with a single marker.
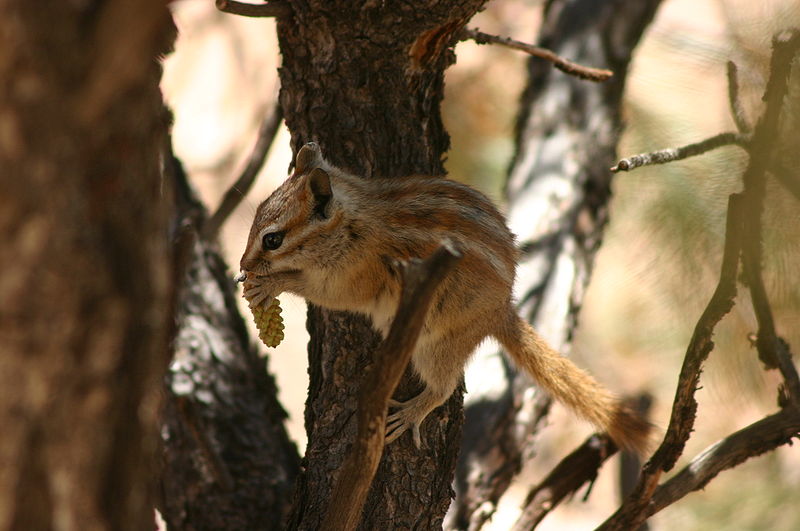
(85, 263)
(558, 190)
(364, 81)
(228, 461)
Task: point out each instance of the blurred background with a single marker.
(660, 259)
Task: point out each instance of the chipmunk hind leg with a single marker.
(440, 366)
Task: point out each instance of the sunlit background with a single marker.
(660, 259)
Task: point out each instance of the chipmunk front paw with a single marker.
(255, 290)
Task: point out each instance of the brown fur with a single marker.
(337, 252)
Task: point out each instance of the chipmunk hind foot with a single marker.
(410, 414)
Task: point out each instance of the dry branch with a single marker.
(420, 280)
(737, 111)
(237, 191)
(565, 65)
(756, 439)
(275, 8)
(663, 156)
(771, 349)
(633, 512)
(743, 236)
(578, 468)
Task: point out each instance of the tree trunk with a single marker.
(558, 189)
(228, 461)
(364, 82)
(86, 273)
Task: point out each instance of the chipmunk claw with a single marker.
(416, 436)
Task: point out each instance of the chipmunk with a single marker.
(334, 238)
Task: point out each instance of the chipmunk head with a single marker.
(291, 229)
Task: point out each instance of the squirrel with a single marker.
(334, 239)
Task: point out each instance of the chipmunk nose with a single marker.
(248, 264)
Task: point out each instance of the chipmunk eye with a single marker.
(271, 241)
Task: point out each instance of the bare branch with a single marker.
(578, 468)
(743, 235)
(737, 111)
(633, 512)
(756, 439)
(237, 191)
(668, 155)
(701, 344)
(772, 350)
(566, 66)
(420, 280)
(273, 8)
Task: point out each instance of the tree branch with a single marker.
(772, 350)
(701, 344)
(420, 280)
(743, 235)
(756, 439)
(737, 111)
(237, 191)
(578, 468)
(566, 66)
(671, 154)
(633, 512)
(273, 8)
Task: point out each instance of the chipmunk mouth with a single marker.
(242, 276)
(282, 272)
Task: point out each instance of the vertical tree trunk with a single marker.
(558, 189)
(364, 81)
(85, 283)
(228, 461)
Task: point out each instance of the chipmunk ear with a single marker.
(307, 158)
(320, 183)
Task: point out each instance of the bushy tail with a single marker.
(572, 386)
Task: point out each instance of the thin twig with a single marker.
(274, 8)
(420, 280)
(671, 154)
(771, 348)
(237, 191)
(737, 111)
(578, 468)
(566, 66)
